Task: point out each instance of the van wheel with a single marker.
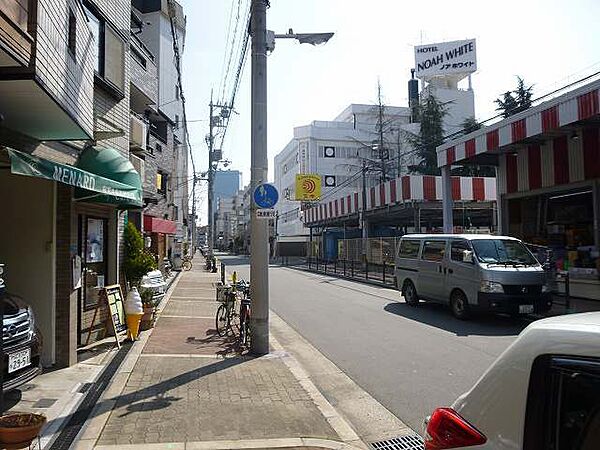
(410, 294)
(459, 305)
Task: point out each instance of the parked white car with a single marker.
(542, 393)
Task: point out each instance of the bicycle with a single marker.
(187, 263)
(226, 311)
(245, 315)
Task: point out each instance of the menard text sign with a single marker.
(26, 164)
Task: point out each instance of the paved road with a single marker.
(410, 359)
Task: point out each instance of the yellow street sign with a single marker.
(308, 187)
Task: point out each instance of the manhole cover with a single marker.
(408, 442)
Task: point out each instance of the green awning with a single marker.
(90, 185)
(112, 165)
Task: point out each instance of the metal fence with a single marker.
(377, 250)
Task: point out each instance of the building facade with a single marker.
(337, 151)
(548, 180)
(226, 183)
(164, 151)
(71, 93)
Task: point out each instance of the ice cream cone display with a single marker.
(134, 311)
(133, 325)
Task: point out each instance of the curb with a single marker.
(242, 444)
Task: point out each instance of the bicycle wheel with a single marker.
(245, 327)
(187, 265)
(222, 320)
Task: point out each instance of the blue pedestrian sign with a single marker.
(265, 195)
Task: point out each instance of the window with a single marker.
(563, 404)
(434, 250)
(503, 251)
(158, 181)
(409, 248)
(72, 38)
(136, 55)
(158, 147)
(108, 53)
(329, 180)
(329, 152)
(457, 250)
(161, 182)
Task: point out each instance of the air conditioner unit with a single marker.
(138, 164)
(138, 131)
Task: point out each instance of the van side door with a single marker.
(431, 283)
(460, 274)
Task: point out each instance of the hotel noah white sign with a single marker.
(445, 58)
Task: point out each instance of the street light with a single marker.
(263, 42)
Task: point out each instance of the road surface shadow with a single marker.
(440, 316)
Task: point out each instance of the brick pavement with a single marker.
(189, 385)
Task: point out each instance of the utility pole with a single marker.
(259, 230)
(212, 161)
(364, 224)
(210, 176)
(380, 125)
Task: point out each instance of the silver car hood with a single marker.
(513, 275)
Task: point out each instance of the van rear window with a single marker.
(409, 248)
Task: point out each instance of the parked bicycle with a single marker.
(226, 313)
(187, 263)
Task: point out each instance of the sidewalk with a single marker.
(182, 386)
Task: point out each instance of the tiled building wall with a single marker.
(69, 78)
(144, 78)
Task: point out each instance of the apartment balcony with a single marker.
(144, 77)
(47, 94)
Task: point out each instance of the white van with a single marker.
(471, 272)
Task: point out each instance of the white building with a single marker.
(337, 150)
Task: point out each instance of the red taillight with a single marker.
(446, 429)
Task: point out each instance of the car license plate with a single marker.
(525, 309)
(19, 360)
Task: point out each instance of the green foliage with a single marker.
(513, 102)
(430, 136)
(470, 124)
(138, 262)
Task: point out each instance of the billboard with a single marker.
(445, 58)
(308, 187)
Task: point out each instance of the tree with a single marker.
(513, 102)
(470, 124)
(430, 136)
(138, 262)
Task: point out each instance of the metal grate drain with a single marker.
(408, 442)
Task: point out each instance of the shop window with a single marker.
(93, 239)
(108, 52)
(434, 250)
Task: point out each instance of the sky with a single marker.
(549, 43)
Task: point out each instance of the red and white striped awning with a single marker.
(544, 119)
(422, 188)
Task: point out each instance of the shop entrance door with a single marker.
(93, 253)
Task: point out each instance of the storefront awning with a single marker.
(156, 225)
(112, 165)
(91, 185)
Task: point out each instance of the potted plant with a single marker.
(149, 305)
(138, 261)
(18, 430)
